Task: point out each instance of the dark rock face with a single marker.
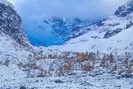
(112, 33)
(130, 24)
(124, 10)
(10, 24)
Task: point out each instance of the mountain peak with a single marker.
(124, 10)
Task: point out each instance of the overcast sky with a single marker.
(67, 8)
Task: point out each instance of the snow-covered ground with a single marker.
(12, 51)
(13, 78)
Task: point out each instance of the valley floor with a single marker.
(12, 78)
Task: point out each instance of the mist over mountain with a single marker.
(37, 11)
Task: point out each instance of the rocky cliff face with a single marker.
(14, 46)
(11, 24)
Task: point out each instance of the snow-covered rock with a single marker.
(14, 45)
(10, 23)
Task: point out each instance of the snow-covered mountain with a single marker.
(113, 34)
(65, 29)
(56, 28)
(95, 56)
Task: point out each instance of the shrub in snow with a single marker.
(127, 62)
(67, 67)
(88, 68)
(115, 67)
(66, 58)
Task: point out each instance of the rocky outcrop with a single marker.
(11, 24)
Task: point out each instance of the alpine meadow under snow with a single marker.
(92, 54)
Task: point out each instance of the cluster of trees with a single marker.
(128, 66)
(89, 61)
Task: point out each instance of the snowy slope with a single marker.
(119, 43)
(12, 51)
(110, 35)
(14, 46)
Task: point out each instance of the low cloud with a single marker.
(90, 9)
